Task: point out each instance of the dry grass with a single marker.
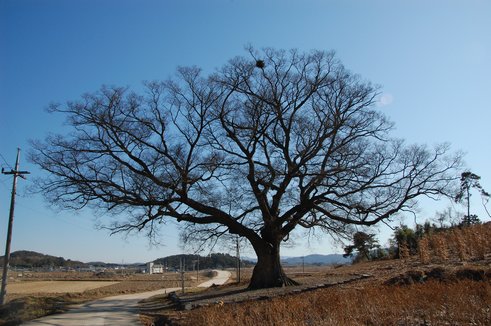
(30, 307)
(467, 244)
(449, 284)
(56, 286)
(434, 303)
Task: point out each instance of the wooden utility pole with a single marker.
(183, 268)
(16, 173)
(197, 271)
(238, 259)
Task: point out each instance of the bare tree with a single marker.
(449, 215)
(272, 142)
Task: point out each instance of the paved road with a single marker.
(117, 310)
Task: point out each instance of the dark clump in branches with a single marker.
(258, 153)
(260, 64)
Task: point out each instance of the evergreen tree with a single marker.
(469, 180)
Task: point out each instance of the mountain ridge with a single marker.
(312, 259)
(30, 259)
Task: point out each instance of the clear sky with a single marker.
(432, 59)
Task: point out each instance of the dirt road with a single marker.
(221, 278)
(117, 310)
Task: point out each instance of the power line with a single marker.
(55, 217)
(3, 158)
(4, 184)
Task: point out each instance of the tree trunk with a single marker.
(268, 271)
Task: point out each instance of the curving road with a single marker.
(221, 278)
(116, 310)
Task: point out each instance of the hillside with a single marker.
(31, 259)
(217, 260)
(315, 259)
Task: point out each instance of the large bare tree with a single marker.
(272, 142)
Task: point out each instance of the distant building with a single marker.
(155, 268)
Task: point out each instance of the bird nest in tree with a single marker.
(260, 64)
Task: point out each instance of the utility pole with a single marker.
(183, 267)
(238, 260)
(197, 270)
(16, 173)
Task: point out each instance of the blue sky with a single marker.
(432, 59)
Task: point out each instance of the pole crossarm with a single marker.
(17, 173)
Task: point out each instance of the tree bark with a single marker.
(268, 271)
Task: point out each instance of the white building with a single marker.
(155, 268)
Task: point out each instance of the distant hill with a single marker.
(316, 259)
(30, 259)
(217, 260)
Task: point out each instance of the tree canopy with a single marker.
(363, 243)
(469, 180)
(271, 142)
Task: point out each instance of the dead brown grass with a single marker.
(466, 244)
(448, 283)
(435, 303)
(56, 286)
(26, 308)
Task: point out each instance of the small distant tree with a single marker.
(363, 244)
(469, 220)
(424, 229)
(405, 239)
(468, 181)
(448, 217)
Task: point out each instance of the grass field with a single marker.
(435, 303)
(56, 286)
(449, 284)
(396, 293)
